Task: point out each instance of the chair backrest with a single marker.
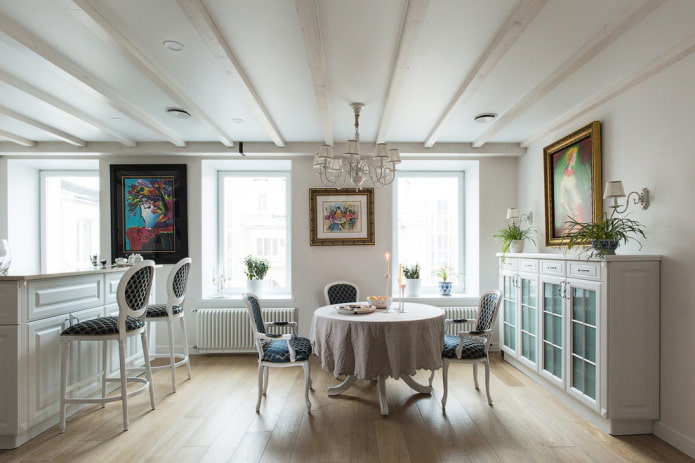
(488, 306)
(340, 292)
(133, 293)
(253, 306)
(177, 281)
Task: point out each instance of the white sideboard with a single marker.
(34, 309)
(588, 330)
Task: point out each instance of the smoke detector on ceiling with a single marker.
(485, 117)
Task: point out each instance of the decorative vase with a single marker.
(516, 246)
(5, 257)
(445, 288)
(605, 247)
(255, 286)
(412, 287)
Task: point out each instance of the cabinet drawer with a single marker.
(507, 263)
(53, 296)
(528, 265)
(553, 267)
(586, 270)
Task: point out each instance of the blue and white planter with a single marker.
(445, 288)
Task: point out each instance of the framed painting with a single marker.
(149, 211)
(572, 168)
(341, 217)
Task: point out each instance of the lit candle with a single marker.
(387, 255)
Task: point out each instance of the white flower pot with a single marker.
(516, 246)
(412, 287)
(255, 287)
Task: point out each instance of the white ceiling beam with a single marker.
(634, 13)
(96, 22)
(62, 106)
(308, 13)
(410, 31)
(59, 134)
(252, 149)
(517, 22)
(16, 139)
(652, 67)
(87, 81)
(201, 19)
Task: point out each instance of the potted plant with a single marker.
(256, 270)
(513, 236)
(602, 237)
(412, 274)
(445, 273)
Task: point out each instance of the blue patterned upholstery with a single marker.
(256, 310)
(473, 348)
(276, 351)
(180, 279)
(101, 326)
(341, 293)
(137, 291)
(486, 311)
(160, 310)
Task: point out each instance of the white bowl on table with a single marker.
(380, 302)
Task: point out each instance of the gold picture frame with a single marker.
(341, 217)
(572, 167)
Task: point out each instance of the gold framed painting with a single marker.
(572, 167)
(341, 217)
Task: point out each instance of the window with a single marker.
(69, 219)
(429, 218)
(254, 220)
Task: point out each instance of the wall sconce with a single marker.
(513, 214)
(615, 190)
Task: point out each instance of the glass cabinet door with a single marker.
(529, 311)
(583, 331)
(509, 313)
(552, 328)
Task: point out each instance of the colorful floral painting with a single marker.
(149, 211)
(341, 217)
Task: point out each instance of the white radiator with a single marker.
(469, 313)
(229, 330)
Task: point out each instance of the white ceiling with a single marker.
(279, 75)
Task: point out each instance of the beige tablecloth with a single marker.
(388, 344)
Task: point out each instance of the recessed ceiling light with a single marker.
(238, 120)
(485, 117)
(178, 112)
(173, 45)
(118, 119)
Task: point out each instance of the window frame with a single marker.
(219, 262)
(461, 283)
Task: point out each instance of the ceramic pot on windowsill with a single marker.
(255, 287)
(412, 287)
(445, 288)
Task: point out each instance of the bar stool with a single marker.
(173, 309)
(133, 293)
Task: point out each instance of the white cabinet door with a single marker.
(9, 380)
(509, 319)
(528, 316)
(85, 360)
(552, 308)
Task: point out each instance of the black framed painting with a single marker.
(149, 211)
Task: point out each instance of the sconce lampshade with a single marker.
(512, 213)
(614, 189)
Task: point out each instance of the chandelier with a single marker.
(335, 171)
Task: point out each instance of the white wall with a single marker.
(647, 142)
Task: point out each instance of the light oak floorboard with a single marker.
(212, 419)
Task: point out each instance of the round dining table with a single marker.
(385, 343)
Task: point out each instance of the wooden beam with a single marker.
(96, 22)
(201, 19)
(59, 134)
(520, 18)
(82, 77)
(16, 139)
(410, 31)
(308, 13)
(599, 42)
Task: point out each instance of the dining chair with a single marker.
(133, 294)
(172, 310)
(340, 292)
(472, 346)
(277, 350)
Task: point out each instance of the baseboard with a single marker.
(680, 441)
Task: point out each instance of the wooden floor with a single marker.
(212, 418)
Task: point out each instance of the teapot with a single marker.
(134, 259)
